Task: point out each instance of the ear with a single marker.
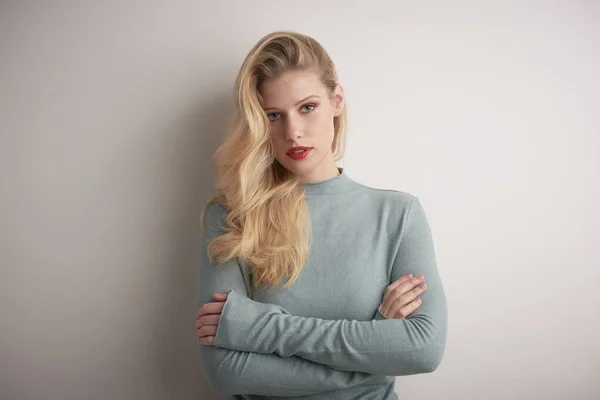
(338, 100)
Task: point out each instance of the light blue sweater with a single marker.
(323, 337)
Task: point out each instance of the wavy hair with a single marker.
(267, 218)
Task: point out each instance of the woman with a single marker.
(315, 285)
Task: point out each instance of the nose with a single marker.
(293, 127)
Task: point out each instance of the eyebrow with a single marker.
(301, 101)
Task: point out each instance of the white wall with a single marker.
(110, 112)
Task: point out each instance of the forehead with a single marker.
(290, 87)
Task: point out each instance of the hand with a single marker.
(207, 319)
(400, 298)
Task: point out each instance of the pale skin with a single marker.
(301, 111)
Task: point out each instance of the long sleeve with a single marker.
(239, 372)
(395, 347)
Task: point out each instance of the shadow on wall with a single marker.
(196, 136)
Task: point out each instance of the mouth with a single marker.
(298, 149)
(298, 153)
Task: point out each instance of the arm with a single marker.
(239, 372)
(394, 347)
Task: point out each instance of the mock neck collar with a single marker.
(338, 184)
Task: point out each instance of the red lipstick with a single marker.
(298, 152)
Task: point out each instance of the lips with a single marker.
(299, 152)
(297, 149)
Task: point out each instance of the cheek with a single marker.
(324, 124)
(277, 141)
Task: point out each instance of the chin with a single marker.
(298, 168)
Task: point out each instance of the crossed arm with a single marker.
(251, 329)
(232, 371)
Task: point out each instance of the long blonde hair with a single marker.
(268, 224)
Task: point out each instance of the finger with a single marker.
(419, 289)
(401, 286)
(405, 287)
(405, 294)
(399, 312)
(401, 279)
(220, 296)
(211, 319)
(410, 308)
(210, 308)
(206, 330)
(207, 341)
(394, 285)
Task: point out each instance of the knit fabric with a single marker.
(323, 337)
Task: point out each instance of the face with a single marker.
(300, 110)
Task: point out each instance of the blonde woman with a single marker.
(310, 284)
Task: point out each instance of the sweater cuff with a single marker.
(378, 315)
(238, 322)
(226, 327)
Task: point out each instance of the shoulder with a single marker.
(396, 209)
(396, 201)
(400, 212)
(215, 215)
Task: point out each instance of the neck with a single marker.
(321, 174)
(338, 183)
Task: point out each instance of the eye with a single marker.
(273, 116)
(312, 107)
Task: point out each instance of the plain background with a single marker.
(110, 112)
